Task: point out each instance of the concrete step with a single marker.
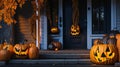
(50, 61)
(65, 54)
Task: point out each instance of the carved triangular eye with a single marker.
(103, 55)
(110, 54)
(107, 50)
(95, 54)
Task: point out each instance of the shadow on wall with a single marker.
(24, 27)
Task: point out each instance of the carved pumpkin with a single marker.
(75, 30)
(55, 46)
(103, 54)
(33, 52)
(54, 30)
(21, 50)
(5, 55)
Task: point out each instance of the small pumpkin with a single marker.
(21, 50)
(55, 45)
(33, 52)
(5, 55)
(8, 47)
(54, 29)
(32, 45)
(103, 54)
(112, 40)
(96, 41)
(75, 30)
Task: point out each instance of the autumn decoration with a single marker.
(21, 51)
(6, 51)
(33, 51)
(55, 45)
(8, 9)
(75, 28)
(103, 53)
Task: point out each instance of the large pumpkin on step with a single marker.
(33, 52)
(103, 54)
(21, 50)
(5, 55)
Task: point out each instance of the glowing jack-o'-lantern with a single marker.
(104, 54)
(54, 30)
(21, 50)
(75, 30)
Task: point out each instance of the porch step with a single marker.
(51, 61)
(64, 54)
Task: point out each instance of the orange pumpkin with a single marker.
(1, 46)
(33, 52)
(8, 47)
(104, 54)
(32, 45)
(21, 50)
(5, 55)
(118, 44)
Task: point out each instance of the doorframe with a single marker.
(89, 22)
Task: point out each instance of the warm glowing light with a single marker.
(56, 49)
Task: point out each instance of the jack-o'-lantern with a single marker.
(103, 54)
(5, 55)
(54, 30)
(21, 50)
(55, 45)
(33, 52)
(75, 30)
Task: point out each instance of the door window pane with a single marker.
(101, 23)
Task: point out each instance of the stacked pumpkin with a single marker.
(55, 45)
(24, 51)
(6, 51)
(104, 51)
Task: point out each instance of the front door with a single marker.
(98, 18)
(73, 41)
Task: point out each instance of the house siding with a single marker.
(118, 14)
